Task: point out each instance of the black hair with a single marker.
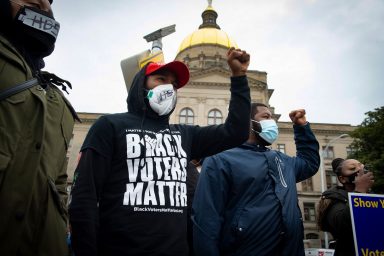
(254, 106)
(337, 165)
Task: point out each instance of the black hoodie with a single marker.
(338, 221)
(129, 195)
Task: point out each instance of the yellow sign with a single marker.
(157, 57)
(130, 66)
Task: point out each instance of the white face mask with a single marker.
(162, 99)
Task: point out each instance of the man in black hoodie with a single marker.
(129, 195)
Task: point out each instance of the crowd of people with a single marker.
(136, 189)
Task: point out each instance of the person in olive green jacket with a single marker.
(36, 124)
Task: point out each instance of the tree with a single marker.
(368, 146)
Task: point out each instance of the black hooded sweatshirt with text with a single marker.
(129, 195)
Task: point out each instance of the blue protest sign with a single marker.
(367, 214)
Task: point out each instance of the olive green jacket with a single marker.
(35, 129)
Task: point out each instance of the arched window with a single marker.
(186, 116)
(215, 117)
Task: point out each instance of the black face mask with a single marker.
(352, 177)
(38, 29)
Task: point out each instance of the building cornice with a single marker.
(321, 128)
(87, 117)
(252, 82)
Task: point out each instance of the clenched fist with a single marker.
(238, 61)
(298, 117)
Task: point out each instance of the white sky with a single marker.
(326, 56)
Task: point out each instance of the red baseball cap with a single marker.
(178, 68)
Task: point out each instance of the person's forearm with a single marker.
(307, 151)
(83, 217)
(83, 238)
(237, 123)
(83, 209)
(207, 213)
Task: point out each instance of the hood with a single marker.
(137, 104)
(337, 193)
(135, 100)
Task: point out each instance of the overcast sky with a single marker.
(326, 56)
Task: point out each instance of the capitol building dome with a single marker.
(206, 47)
(206, 36)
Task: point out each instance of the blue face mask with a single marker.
(269, 130)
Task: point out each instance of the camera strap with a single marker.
(17, 88)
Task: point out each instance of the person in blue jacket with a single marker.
(246, 200)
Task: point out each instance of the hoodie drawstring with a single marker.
(173, 141)
(143, 134)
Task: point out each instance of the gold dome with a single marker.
(209, 32)
(207, 36)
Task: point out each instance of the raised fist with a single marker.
(238, 61)
(298, 116)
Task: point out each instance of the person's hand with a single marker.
(363, 181)
(298, 117)
(238, 61)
